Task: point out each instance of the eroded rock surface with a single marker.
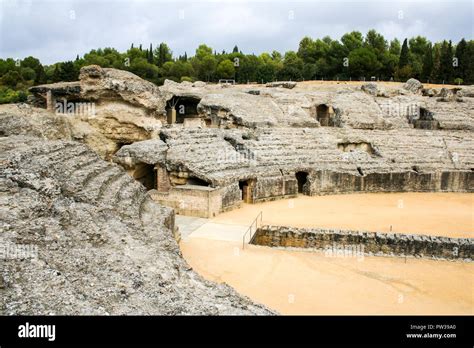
(103, 246)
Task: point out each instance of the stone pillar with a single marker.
(171, 116)
(162, 179)
(50, 102)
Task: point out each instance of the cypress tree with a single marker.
(436, 71)
(150, 55)
(403, 61)
(56, 73)
(469, 63)
(463, 60)
(446, 61)
(427, 63)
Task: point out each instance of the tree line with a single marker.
(354, 56)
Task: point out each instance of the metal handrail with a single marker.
(249, 230)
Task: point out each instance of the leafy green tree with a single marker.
(96, 58)
(7, 65)
(67, 72)
(307, 50)
(203, 51)
(35, 64)
(395, 47)
(207, 68)
(28, 74)
(8, 95)
(389, 64)
(404, 73)
(352, 41)
(226, 69)
(276, 56)
(418, 47)
(142, 68)
(292, 67)
(376, 41)
(11, 79)
(248, 68)
(363, 63)
(378, 45)
(268, 68)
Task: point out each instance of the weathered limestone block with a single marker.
(413, 85)
(148, 151)
(283, 84)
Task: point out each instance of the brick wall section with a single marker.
(373, 242)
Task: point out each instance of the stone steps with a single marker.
(94, 184)
(79, 178)
(128, 197)
(56, 156)
(109, 189)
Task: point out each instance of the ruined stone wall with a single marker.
(199, 201)
(368, 242)
(231, 197)
(330, 182)
(275, 187)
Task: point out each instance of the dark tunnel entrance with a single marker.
(302, 178)
(324, 116)
(246, 187)
(192, 180)
(185, 107)
(146, 174)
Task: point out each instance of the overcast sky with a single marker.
(58, 30)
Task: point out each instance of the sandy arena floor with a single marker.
(298, 282)
(446, 214)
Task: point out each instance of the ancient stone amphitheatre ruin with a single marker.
(94, 171)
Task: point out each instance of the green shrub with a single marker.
(8, 95)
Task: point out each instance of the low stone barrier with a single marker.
(367, 242)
